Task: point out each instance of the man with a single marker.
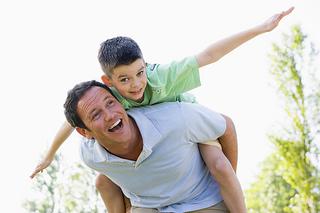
(151, 153)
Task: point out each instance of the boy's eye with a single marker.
(124, 80)
(140, 73)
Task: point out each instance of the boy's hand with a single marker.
(41, 166)
(274, 20)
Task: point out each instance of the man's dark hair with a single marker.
(118, 51)
(74, 95)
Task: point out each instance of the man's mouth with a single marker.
(117, 125)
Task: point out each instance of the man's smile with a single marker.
(116, 125)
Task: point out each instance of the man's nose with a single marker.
(108, 115)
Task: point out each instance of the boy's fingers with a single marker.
(36, 171)
(33, 174)
(288, 11)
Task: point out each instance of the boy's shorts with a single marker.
(213, 143)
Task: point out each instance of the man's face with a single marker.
(130, 80)
(105, 118)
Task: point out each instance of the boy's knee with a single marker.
(230, 131)
(222, 167)
(102, 182)
(229, 123)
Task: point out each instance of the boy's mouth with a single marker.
(136, 92)
(117, 125)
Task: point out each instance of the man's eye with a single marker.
(96, 116)
(110, 103)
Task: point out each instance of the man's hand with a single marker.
(274, 20)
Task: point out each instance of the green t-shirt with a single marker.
(167, 83)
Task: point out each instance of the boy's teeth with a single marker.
(115, 124)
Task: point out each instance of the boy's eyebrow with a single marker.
(125, 75)
(122, 75)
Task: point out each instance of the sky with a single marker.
(46, 47)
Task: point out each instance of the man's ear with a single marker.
(106, 80)
(84, 132)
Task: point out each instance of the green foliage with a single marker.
(45, 184)
(70, 190)
(289, 180)
(271, 193)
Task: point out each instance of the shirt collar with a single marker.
(150, 134)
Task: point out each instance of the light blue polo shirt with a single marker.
(169, 174)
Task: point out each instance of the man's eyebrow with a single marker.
(92, 112)
(95, 109)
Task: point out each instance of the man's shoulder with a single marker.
(170, 111)
(87, 150)
(159, 108)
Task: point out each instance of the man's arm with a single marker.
(218, 49)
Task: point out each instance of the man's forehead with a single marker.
(96, 92)
(91, 98)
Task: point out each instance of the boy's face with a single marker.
(130, 80)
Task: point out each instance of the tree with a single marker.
(290, 180)
(71, 189)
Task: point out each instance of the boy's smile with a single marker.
(130, 80)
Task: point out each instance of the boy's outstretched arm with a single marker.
(63, 133)
(218, 49)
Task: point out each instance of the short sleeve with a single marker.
(169, 81)
(203, 124)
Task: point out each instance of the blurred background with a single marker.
(49, 46)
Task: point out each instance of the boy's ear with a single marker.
(106, 80)
(84, 132)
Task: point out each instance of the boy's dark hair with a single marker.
(74, 95)
(118, 51)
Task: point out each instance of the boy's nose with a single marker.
(135, 84)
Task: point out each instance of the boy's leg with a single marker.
(222, 171)
(112, 196)
(229, 143)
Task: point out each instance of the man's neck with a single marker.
(132, 150)
(137, 143)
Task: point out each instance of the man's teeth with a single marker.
(115, 124)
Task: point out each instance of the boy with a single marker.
(135, 88)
